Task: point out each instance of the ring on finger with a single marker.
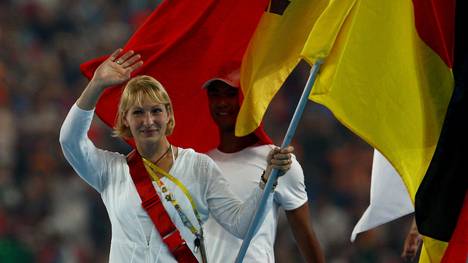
(118, 62)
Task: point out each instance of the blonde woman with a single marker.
(159, 196)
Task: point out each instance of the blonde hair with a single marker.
(135, 91)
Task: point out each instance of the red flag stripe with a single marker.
(457, 250)
(435, 23)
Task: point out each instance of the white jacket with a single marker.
(134, 238)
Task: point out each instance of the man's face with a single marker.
(224, 104)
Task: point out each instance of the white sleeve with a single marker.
(231, 213)
(88, 161)
(291, 193)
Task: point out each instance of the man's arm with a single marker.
(412, 244)
(304, 234)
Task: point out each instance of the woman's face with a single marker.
(147, 122)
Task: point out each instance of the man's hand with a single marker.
(279, 159)
(412, 243)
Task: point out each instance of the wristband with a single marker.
(263, 182)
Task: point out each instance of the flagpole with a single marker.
(259, 215)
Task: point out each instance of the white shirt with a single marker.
(134, 238)
(243, 170)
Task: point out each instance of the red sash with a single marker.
(155, 209)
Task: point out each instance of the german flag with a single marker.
(387, 76)
(443, 191)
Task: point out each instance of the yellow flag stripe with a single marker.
(387, 86)
(272, 54)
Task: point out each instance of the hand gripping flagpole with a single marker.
(259, 215)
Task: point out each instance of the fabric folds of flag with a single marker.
(442, 198)
(388, 78)
(273, 52)
(183, 44)
(387, 75)
(269, 60)
(457, 249)
(389, 198)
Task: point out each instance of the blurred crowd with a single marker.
(48, 214)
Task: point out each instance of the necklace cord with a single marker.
(162, 156)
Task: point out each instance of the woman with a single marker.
(159, 220)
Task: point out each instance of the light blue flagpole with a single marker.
(258, 218)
